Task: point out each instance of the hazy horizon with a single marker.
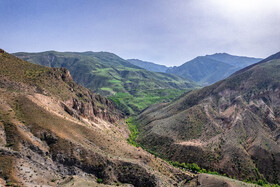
(164, 32)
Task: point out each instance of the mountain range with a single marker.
(133, 84)
(130, 87)
(209, 69)
(204, 70)
(55, 132)
(231, 127)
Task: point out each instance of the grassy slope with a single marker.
(130, 87)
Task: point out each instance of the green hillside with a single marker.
(130, 87)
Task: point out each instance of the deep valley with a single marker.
(53, 127)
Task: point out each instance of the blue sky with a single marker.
(168, 32)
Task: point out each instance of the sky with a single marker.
(168, 32)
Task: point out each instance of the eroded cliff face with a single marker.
(232, 127)
(85, 102)
(92, 109)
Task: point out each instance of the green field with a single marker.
(135, 103)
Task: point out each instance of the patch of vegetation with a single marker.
(192, 167)
(195, 168)
(261, 182)
(99, 180)
(132, 104)
(133, 132)
(9, 184)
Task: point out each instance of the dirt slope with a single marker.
(54, 131)
(232, 127)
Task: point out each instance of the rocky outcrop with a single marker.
(72, 156)
(97, 107)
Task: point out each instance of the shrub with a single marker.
(99, 180)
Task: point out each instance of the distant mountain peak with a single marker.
(209, 69)
(223, 53)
